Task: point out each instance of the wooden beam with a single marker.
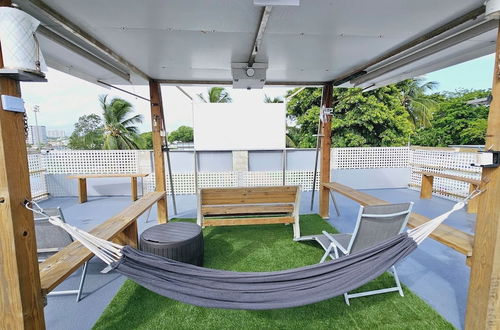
(157, 121)
(483, 303)
(21, 302)
(326, 145)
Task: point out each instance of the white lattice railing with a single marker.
(91, 161)
(376, 157)
(38, 181)
(184, 183)
(134, 161)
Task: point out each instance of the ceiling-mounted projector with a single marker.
(249, 77)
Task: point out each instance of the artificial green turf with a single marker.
(265, 248)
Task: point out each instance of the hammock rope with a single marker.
(254, 290)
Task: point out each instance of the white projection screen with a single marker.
(233, 126)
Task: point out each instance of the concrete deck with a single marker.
(435, 272)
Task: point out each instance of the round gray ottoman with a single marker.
(181, 241)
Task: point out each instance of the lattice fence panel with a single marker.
(184, 183)
(39, 189)
(91, 161)
(444, 161)
(361, 158)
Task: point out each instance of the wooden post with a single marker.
(21, 302)
(158, 140)
(473, 204)
(82, 190)
(133, 188)
(326, 144)
(427, 186)
(129, 236)
(483, 304)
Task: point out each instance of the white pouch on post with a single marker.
(20, 49)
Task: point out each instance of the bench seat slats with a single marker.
(447, 235)
(59, 266)
(247, 221)
(249, 206)
(246, 209)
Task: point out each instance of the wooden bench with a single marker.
(447, 235)
(82, 183)
(426, 188)
(122, 228)
(249, 206)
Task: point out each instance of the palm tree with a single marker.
(415, 100)
(276, 99)
(119, 129)
(216, 95)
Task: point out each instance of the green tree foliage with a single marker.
(417, 102)
(182, 134)
(374, 118)
(216, 95)
(120, 131)
(276, 99)
(455, 121)
(146, 140)
(88, 133)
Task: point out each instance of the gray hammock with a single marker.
(254, 290)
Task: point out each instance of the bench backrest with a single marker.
(249, 195)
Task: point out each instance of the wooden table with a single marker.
(82, 183)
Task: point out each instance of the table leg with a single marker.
(133, 187)
(82, 190)
(426, 188)
(472, 205)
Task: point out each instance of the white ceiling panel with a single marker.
(196, 40)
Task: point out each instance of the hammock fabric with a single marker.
(251, 290)
(264, 290)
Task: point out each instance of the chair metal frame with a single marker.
(336, 246)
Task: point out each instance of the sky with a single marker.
(64, 98)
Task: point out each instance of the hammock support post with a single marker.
(157, 123)
(326, 145)
(21, 301)
(483, 304)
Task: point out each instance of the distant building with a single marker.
(37, 135)
(56, 133)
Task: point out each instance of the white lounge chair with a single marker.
(374, 225)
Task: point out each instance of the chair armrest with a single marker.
(334, 242)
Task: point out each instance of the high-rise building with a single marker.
(56, 133)
(37, 135)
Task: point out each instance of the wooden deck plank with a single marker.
(58, 267)
(447, 235)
